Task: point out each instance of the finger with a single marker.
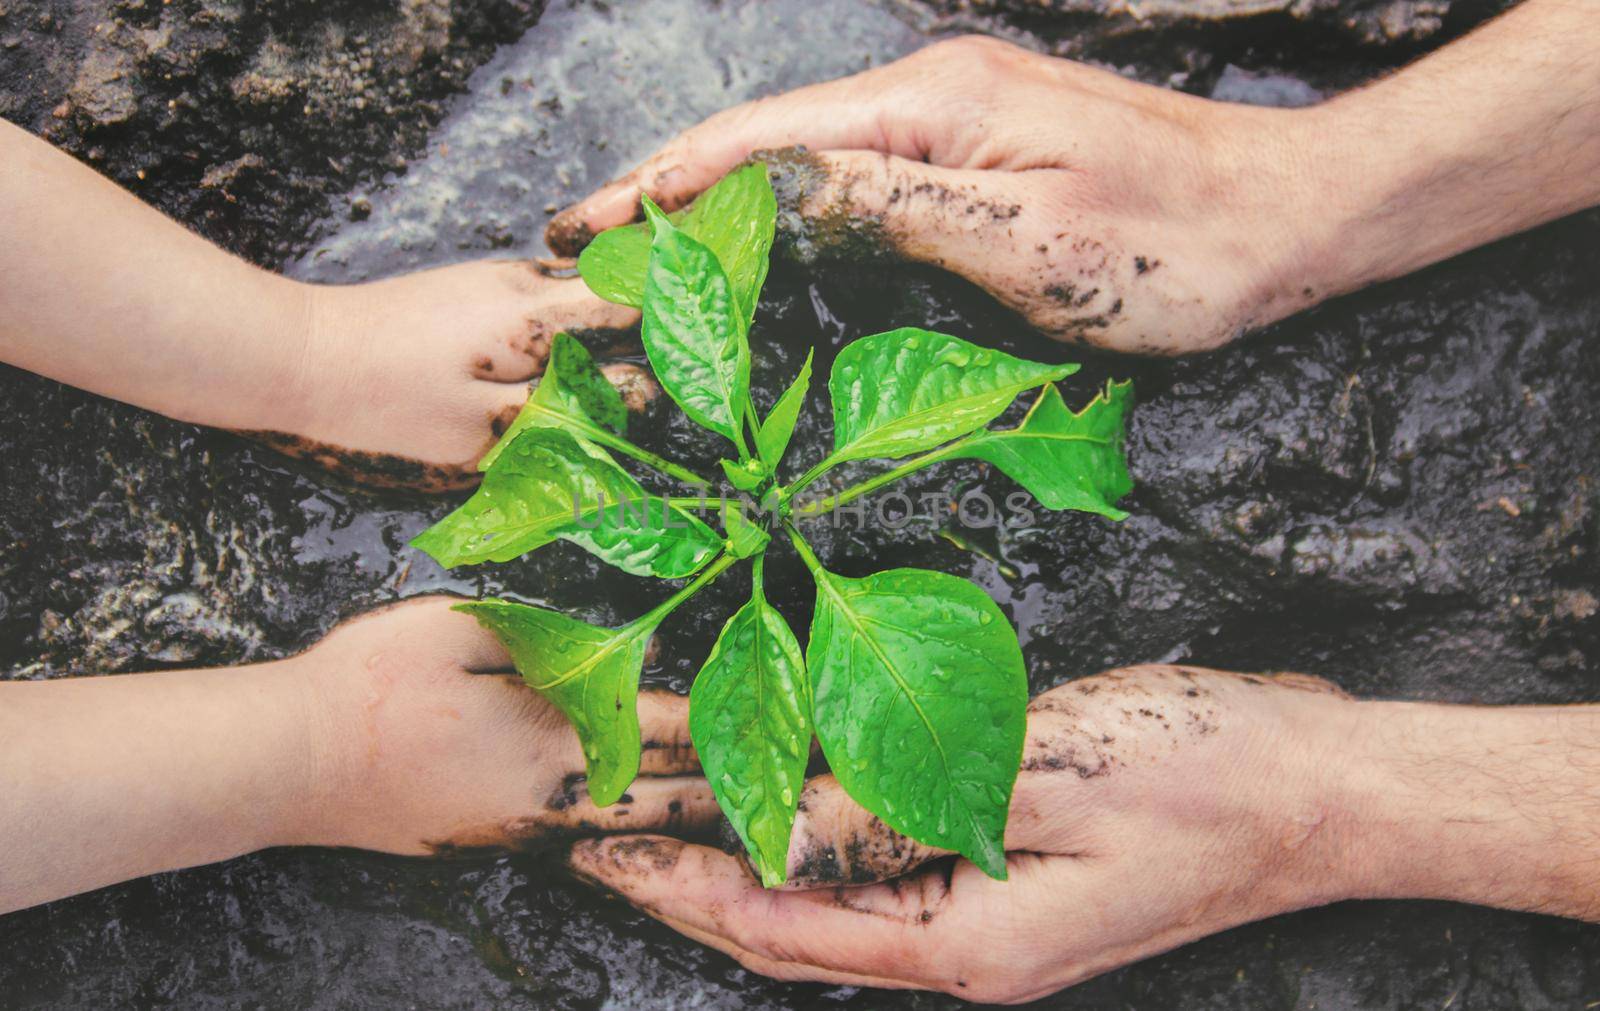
(837, 841)
(681, 805)
(860, 205)
(843, 114)
(664, 735)
(885, 932)
(788, 971)
(502, 402)
(542, 307)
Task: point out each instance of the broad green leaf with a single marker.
(691, 330)
(920, 702)
(744, 537)
(734, 219)
(748, 720)
(747, 476)
(572, 394)
(590, 673)
(907, 390)
(548, 485)
(773, 439)
(1065, 460)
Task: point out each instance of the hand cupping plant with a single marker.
(913, 681)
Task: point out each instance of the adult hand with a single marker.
(1156, 805)
(1103, 210)
(1140, 219)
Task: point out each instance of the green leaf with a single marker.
(548, 485)
(1065, 460)
(907, 390)
(773, 439)
(734, 218)
(747, 476)
(747, 718)
(572, 394)
(691, 331)
(744, 537)
(920, 702)
(590, 673)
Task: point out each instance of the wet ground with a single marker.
(1395, 491)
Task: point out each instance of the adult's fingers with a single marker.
(880, 935)
(836, 841)
(864, 112)
(858, 205)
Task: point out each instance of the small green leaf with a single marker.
(920, 702)
(773, 439)
(734, 218)
(748, 720)
(572, 394)
(691, 331)
(548, 485)
(590, 673)
(744, 537)
(1066, 460)
(907, 390)
(747, 476)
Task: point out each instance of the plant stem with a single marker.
(806, 554)
(872, 484)
(666, 607)
(644, 456)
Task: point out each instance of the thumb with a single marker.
(846, 113)
(855, 205)
(838, 842)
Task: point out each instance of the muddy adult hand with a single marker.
(1101, 209)
(1137, 218)
(1156, 805)
(403, 731)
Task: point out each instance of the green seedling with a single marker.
(912, 680)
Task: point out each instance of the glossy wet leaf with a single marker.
(546, 486)
(907, 390)
(745, 538)
(691, 330)
(589, 672)
(747, 718)
(572, 394)
(920, 701)
(1065, 460)
(734, 218)
(773, 439)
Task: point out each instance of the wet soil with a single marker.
(1395, 491)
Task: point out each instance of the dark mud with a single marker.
(1396, 491)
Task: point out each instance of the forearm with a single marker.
(100, 291)
(111, 778)
(1491, 135)
(1494, 806)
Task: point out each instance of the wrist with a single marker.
(252, 376)
(1492, 806)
